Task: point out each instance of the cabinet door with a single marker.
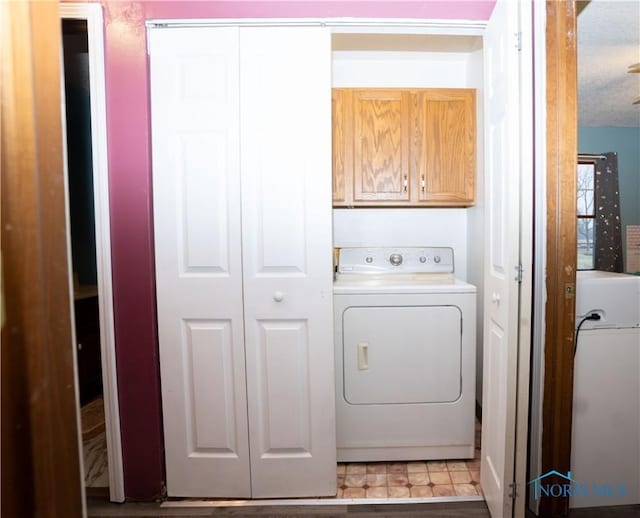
(285, 80)
(381, 145)
(342, 144)
(443, 154)
(196, 202)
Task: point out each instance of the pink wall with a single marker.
(130, 190)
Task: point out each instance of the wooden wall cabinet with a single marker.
(342, 140)
(400, 147)
(380, 145)
(443, 146)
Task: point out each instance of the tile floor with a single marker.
(409, 479)
(422, 479)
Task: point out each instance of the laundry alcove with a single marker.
(241, 124)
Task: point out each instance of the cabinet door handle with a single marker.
(405, 183)
(278, 296)
(423, 183)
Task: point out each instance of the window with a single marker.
(586, 215)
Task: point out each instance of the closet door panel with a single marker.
(282, 355)
(287, 258)
(196, 198)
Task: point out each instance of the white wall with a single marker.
(396, 69)
(404, 227)
(475, 217)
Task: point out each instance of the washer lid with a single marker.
(351, 284)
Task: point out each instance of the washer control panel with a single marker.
(396, 260)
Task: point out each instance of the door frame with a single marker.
(92, 13)
(561, 158)
(539, 237)
(40, 444)
(528, 260)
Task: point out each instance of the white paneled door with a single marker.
(241, 123)
(285, 81)
(196, 198)
(504, 126)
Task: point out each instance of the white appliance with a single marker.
(605, 447)
(405, 355)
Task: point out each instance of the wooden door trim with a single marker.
(561, 152)
(37, 347)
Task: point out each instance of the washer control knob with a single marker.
(369, 259)
(395, 259)
(423, 259)
(436, 259)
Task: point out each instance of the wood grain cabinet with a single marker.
(443, 146)
(342, 139)
(399, 147)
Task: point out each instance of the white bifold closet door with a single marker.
(285, 128)
(196, 201)
(242, 210)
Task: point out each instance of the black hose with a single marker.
(592, 316)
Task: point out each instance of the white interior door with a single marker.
(502, 116)
(196, 198)
(285, 78)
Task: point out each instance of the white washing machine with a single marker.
(605, 443)
(405, 355)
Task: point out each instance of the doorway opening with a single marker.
(90, 248)
(83, 253)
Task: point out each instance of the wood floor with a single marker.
(99, 509)
(94, 445)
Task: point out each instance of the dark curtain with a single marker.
(608, 254)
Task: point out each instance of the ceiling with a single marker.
(608, 42)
